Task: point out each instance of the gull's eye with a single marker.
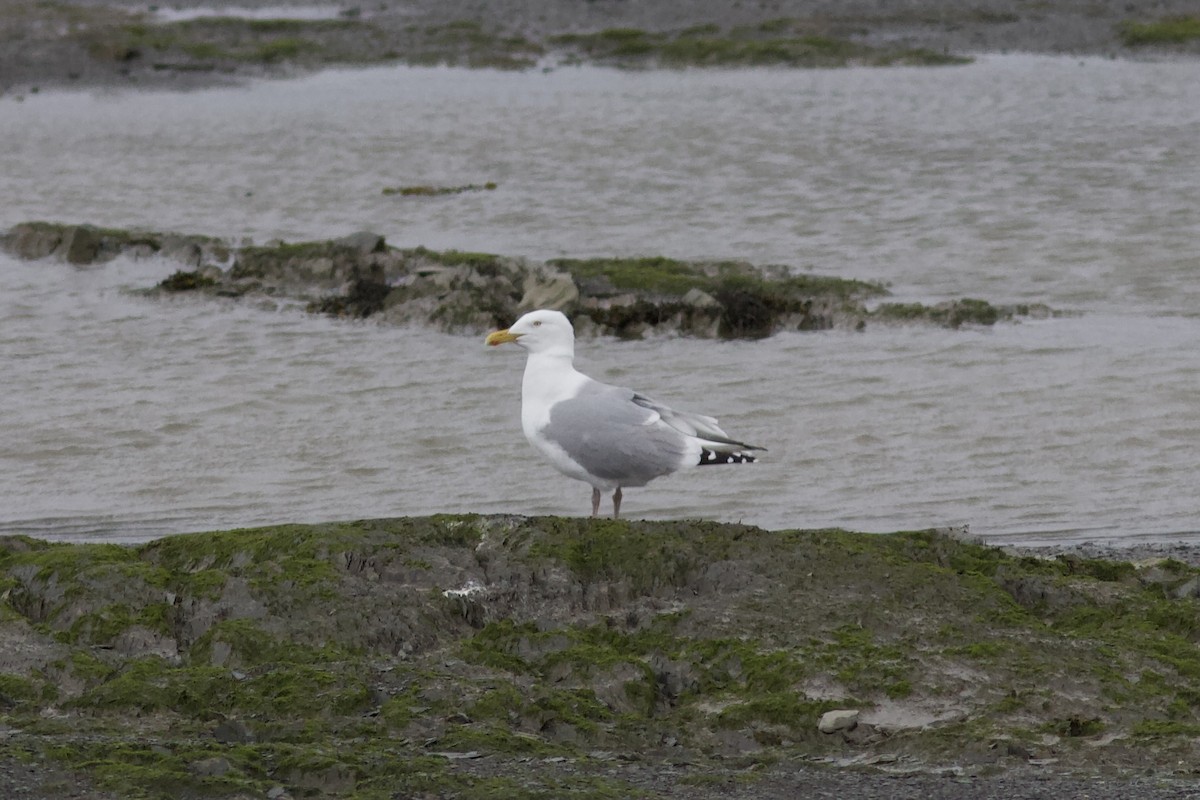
(537, 323)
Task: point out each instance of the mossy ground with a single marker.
(437, 191)
(1170, 31)
(776, 43)
(360, 276)
(211, 43)
(186, 281)
(668, 276)
(348, 659)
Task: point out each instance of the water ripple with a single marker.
(1014, 179)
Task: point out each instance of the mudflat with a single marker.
(192, 43)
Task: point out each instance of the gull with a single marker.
(604, 435)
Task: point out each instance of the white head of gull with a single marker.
(604, 435)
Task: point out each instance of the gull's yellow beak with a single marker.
(500, 337)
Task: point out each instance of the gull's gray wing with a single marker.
(614, 437)
(696, 425)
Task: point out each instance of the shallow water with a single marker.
(1015, 179)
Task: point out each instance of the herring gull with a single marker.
(604, 435)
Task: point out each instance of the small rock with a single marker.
(459, 718)
(80, 245)
(454, 756)
(221, 651)
(277, 793)
(363, 242)
(138, 640)
(699, 299)
(213, 767)
(1190, 588)
(437, 277)
(611, 687)
(882, 758)
(862, 734)
(32, 241)
(838, 720)
(961, 533)
(548, 290)
(233, 731)
(1017, 750)
(673, 678)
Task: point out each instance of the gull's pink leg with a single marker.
(595, 502)
(617, 503)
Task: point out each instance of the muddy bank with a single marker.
(362, 276)
(131, 44)
(467, 656)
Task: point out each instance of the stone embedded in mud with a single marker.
(33, 240)
(233, 731)
(77, 244)
(363, 241)
(615, 687)
(87, 244)
(181, 281)
(213, 767)
(838, 720)
(1190, 588)
(699, 298)
(81, 245)
(548, 289)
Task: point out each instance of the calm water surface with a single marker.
(1015, 179)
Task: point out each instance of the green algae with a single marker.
(209, 42)
(486, 263)
(287, 693)
(65, 559)
(951, 315)
(141, 771)
(789, 709)
(625, 297)
(743, 300)
(104, 625)
(468, 43)
(1157, 729)
(1173, 30)
(656, 274)
(231, 39)
(247, 645)
(295, 555)
(645, 559)
(155, 771)
(674, 277)
(18, 693)
(590, 634)
(437, 191)
(131, 41)
(780, 43)
(186, 281)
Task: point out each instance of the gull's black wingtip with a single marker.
(713, 457)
